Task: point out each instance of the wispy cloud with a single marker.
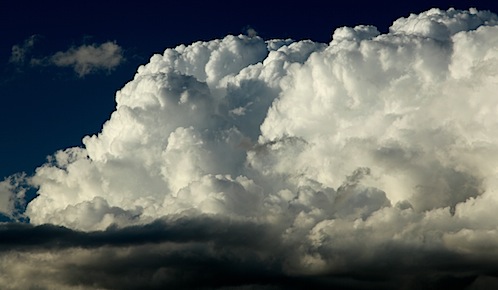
(20, 52)
(86, 59)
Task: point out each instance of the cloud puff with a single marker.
(346, 160)
(88, 58)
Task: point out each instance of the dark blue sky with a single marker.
(46, 108)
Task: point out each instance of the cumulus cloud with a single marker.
(88, 58)
(365, 163)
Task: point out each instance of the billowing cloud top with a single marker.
(371, 144)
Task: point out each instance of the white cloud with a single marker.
(311, 113)
(351, 151)
(87, 58)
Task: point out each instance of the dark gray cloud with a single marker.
(204, 228)
(210, 252)
(182, 253)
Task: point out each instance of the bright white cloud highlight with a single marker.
(88, 58)
(346, 148)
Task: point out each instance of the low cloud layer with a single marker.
(213, 252)
(365, 163)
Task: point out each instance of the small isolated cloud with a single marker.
(21, 51)
(86, 59)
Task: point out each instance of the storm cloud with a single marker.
(243, 163)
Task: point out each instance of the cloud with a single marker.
(236, 250)
(88, 58)
(365, 163)
(21, 52)
(250, 31)
(195, 252)
(176, 229)
(84, 59)
(208, 252)
(13, 196)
